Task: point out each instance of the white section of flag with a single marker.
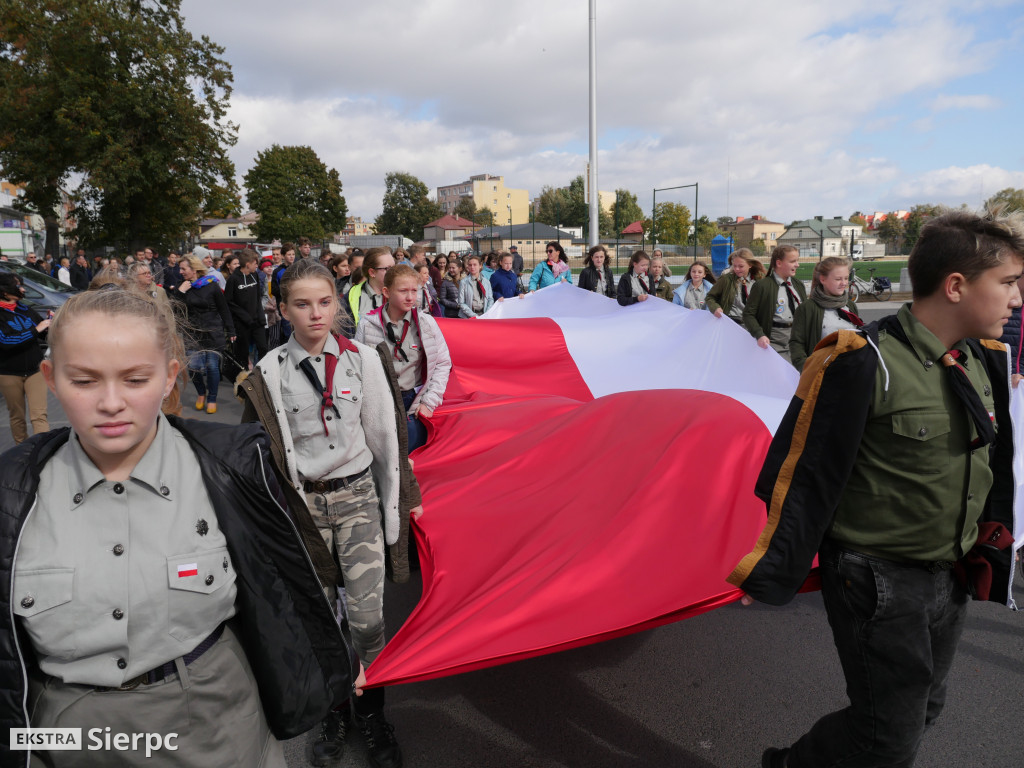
(655, 344)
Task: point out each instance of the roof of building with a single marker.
(822, 227)
(636, 228)
(532, 231)
(450, 221)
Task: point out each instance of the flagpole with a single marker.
(594, 215)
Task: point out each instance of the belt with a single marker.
(777, 324)
(168, 669)
(932, 566)
(333, 484)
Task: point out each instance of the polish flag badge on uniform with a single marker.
(346, 391)
(188, 569)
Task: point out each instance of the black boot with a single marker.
(327, 747)
(774, 758)
(376, 730)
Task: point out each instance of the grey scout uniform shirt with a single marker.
(114, 579)
(408, 372)
(343, 450)
(368, 300)
(783, 314)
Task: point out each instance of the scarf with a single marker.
(826, 300)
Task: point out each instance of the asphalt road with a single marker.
(709, 692)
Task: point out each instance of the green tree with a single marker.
(121, 95)
(858, 218)
(466, 207)
(1012, 199)
(919, 214)
(295, 195)
(890, 231)
(707, 230)
(565, 207)
(758, 247)
(552, 205)
(406, 207)
(671, 223)
(484, 217)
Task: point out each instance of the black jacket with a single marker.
(624, 292)
(806, 468)
(207, 315)
(588, 280)
(449, 298)
(20, 353)
(300, 659)
(244, 299)
(80, 277)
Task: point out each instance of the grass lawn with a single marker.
(890, 269)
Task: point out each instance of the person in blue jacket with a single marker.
(504, 281)
(552, 270)
(693, 293)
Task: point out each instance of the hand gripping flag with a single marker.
(590, 474)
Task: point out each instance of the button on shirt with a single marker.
(343, 450)
(113, 579)
(917, 489)
(410, 374)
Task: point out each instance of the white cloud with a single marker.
(945, 101)
(788, 95)
(954, 185)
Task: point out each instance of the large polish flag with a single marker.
(590, 474)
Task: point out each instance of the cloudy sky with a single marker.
(787, 109)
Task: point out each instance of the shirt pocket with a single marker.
(201, 593)
(303, 413)
(920, 441)
(348, 394)
(43, 600)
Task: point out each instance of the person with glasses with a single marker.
(141, 275)
(369, 294)
(552, 270)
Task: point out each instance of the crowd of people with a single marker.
(300, 513)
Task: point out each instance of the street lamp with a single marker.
(509, 225)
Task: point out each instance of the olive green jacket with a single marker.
(760, 309)
(806, 331)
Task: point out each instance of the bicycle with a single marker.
(879, 287)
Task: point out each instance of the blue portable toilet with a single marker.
(721, 247)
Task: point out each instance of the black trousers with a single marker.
(239, 353)
(896, 628)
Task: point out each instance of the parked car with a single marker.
(42, 292)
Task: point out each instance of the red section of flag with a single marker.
(187, 570)
(554, 520)
(511, 357)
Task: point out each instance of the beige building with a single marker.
(234, 231)
(745, 231)
(356, 227)
(488, 192)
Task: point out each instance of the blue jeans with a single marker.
(417, 430)
(205, 362)
(896, 628)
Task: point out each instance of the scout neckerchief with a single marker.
(643, 285)
(953, 361)
(326, 390)
(743, 289)
(791, 296)
(398, 352)
(480, 287)
(204, 280)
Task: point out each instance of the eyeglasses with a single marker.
(551, 250)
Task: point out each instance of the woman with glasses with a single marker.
(369, 294)
(552, 270)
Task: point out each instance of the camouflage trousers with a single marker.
(349, 521)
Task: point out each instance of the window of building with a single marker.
(232, 232)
